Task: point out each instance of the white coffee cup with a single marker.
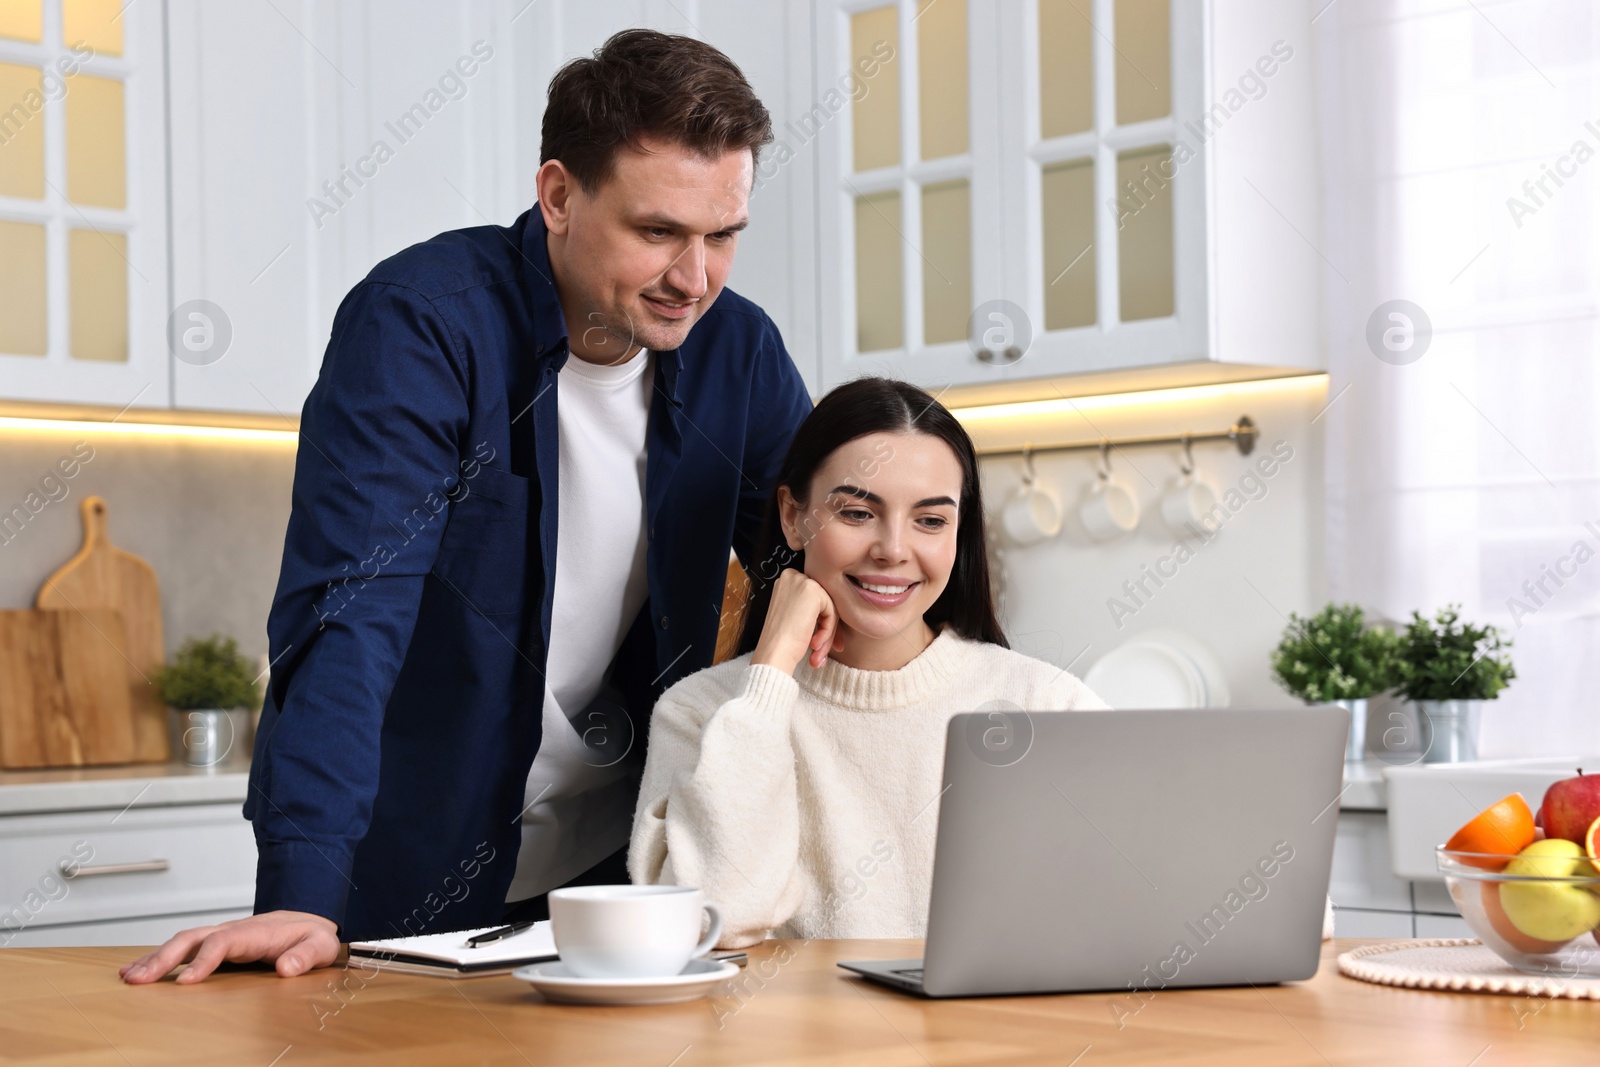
(1033, 515)
(1111, 509)
(1188, 502)
(631, 931)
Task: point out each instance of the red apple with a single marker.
(1570, 805)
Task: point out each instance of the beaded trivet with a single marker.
(1456, 964)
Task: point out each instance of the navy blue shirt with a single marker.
(409, 629)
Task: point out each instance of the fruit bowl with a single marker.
(1540, 912)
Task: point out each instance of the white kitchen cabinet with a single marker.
(1356, 922)
(306, 142)
(1432, 897)
(86, 876)
(83, 206)
(150, 931)
(1361, 876)
(1094, 215)
(1442, 926)
(776, 264)
(310, 141)
(1369, 900)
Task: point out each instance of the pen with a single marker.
(495, 935)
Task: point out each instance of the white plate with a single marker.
(1147, 675)
(1216, 679)
(561, 986)
(1162, 668)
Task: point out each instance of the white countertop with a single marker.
(88, 788)
(148, 784)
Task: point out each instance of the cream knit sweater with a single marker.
(806, 805)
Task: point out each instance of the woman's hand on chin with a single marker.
(801, 624)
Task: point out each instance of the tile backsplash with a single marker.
(1072, 600)
(208, 515)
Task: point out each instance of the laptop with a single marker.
(1130, 851)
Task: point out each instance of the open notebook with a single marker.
(448, 954)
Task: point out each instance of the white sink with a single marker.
(1430, 801)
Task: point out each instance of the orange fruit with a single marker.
(1591, 845)
(1506, 929)
(1503, 829)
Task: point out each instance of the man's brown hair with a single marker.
(641, 82)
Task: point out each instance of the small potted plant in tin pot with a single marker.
(210, 689)
(1449, 668)
(1334, 657)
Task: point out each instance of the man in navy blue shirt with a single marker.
(523, 464)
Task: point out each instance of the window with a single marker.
(1465, 466)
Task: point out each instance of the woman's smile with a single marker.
(882, 591)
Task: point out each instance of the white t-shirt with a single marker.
(578, 813)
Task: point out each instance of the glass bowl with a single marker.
(1544, 904)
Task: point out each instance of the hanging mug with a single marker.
(1111, 509)
(1187, 503)
(1033, 515)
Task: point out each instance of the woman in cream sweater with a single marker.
(798, 784)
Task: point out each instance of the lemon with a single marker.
(1549, 910)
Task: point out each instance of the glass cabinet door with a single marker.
(1019, 158)
(910, 217)
(1103, 201)
(82, 238)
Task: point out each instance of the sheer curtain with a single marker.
(1461, 163)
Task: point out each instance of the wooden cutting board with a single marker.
(63, 689)
(102, 575)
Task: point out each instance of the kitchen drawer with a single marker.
(1443, 926)
(1432, 898)
(139, 933)
(1362, 876)
(180, 859)
(1354, 922)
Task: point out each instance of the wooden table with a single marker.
(67, 1006)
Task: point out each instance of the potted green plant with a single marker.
(211, 690)
(1334, 657)
(1448, 668)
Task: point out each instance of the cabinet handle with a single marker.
(1001, 358)
(68, 871)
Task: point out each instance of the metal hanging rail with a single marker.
(1243, 434)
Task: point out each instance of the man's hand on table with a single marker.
(297, 941)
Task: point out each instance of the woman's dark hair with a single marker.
(855, 410)
(643, 82)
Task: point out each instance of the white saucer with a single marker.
(561, 986)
